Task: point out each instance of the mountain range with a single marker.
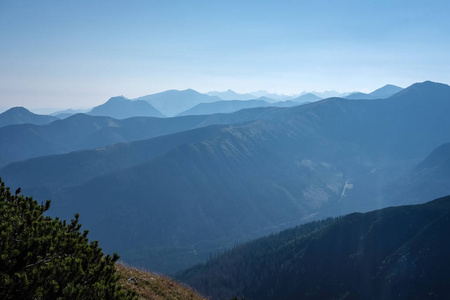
(168, 202)
(173, 102)
(232, 95)
(229, 106)
(82, 131)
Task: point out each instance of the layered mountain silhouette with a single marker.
(231, 95)
(122, 108)
(81, 131)
(275, 97)
(225, 106)
(20, 115)
(230, 106)
(179, 198)
(393, 253)
(173, 102)
(63, 114)
(309, 97)
(381, 93)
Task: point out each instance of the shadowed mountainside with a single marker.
(429, 179)
(393, 253)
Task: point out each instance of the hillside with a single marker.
(430, 178)
(200, 191)
(148, 286)
(20, 115)
(122, 108)
(82, 131)
(393, 253)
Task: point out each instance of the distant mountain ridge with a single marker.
(224, 106)
(63, 114)
(231, 95)
(381, 93)
(20, 115)
(122, 108)
(83, 131)
(173, 102)
(309, 97)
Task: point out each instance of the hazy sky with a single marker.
(79, 53)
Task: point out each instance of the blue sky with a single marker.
(63, 54)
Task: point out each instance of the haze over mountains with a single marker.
(232, 95)
(178, 189)
(173, 102)
(381, 93)
(229, 106)
(122, 108)
(20, 115)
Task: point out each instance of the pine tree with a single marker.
(47, 258)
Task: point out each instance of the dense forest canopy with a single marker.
(47, 258)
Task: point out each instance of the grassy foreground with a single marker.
(150, 286)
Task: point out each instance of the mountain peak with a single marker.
(120, 107)
(21, 115)
(17, 110)
(118, 98)
(426, 88)
(386, 91)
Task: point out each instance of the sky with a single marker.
(78, 54)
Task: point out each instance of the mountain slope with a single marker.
(20, 115)
(122, 108)
(152, 286)
(86, 132)
(430, 178)
(81, 166)
(173, 102)
(386, 91)
(394, 253)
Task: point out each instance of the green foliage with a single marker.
(46, 258)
